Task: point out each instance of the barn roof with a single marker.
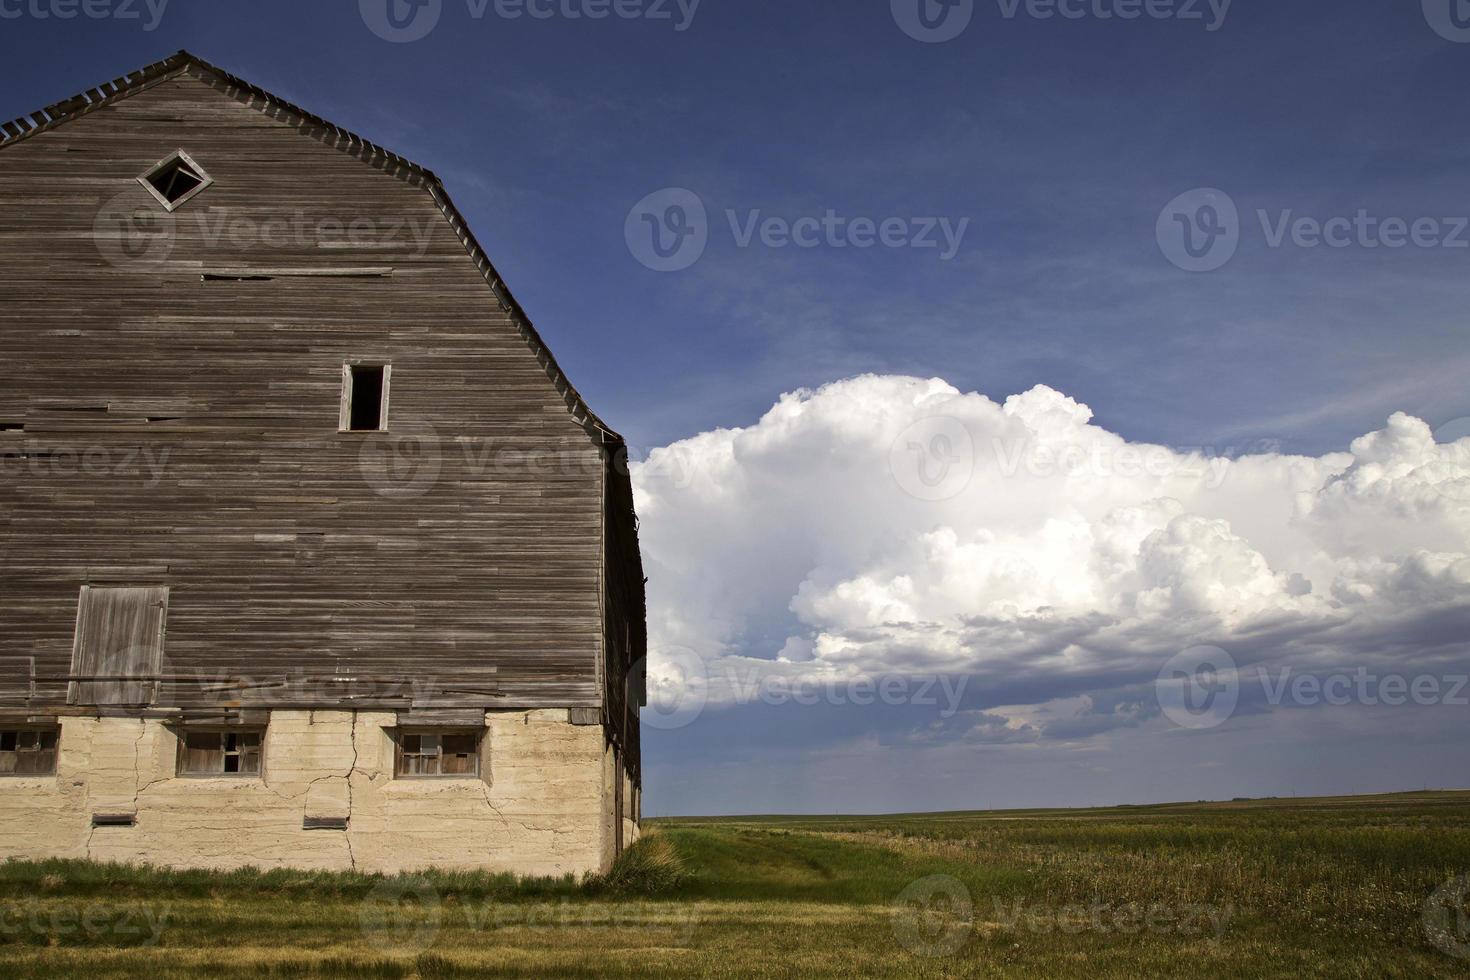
(331, 134)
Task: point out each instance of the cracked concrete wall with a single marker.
(540, 806)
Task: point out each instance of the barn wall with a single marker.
(160, 426)
(540, 807)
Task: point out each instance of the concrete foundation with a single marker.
(544, 803)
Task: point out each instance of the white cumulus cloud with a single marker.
(893, 525)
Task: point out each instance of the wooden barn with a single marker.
(310, 554)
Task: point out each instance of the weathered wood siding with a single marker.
(172, 420)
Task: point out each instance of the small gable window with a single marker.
(175, 179)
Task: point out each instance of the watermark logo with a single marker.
(401, 21)
(130, 232)
(1447, 918)
(1210, 13)
(1199, 231)
(1450, 19)
(404, 462)
(933, 459)
(401, 914)
(934, 916)
(110, 924)
(937, 21)
(1104, 918)
(1199, 688)
(45, 461)
(121, 10)
(668, 230)
(933, 21)
(757, 683)
(679, 692)
(1455, 486)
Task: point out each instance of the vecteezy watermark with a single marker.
(933, 459)
(1365, 687)
(1200, 230)
(752, 684)
(937, 21)
(669, 230)
(401, 914)
(1450, 19)
(227, 688)
(1106, 461)
(1126, 918)
(407, 915)
(677, 691)
(125, 925)
(47, 461)
(132, 231)
(937, 457)
(681, 684)
(934, 916)
(1447, 918)
(402, 21)
(146, 13)
(1455, 483)
(933, 21)
(409, 458)
(1201, 688)
(1453, 431)
(128, 232)
(404, 461)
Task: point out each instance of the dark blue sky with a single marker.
(1060, 140)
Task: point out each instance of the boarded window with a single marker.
(119, 637)
(365, 397)
(423, 755)
(220, 753)
(28, 751)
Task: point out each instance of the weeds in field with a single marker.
(651, 867)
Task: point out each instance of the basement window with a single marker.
(235, 752)
(435, 755)
(365, 397)
(175, 179)
(28, 751)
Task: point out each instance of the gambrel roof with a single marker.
(331, 134)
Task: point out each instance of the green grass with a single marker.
(1279, 888)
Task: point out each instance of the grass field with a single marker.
(1353, 887)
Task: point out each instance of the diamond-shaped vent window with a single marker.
(175, 179)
